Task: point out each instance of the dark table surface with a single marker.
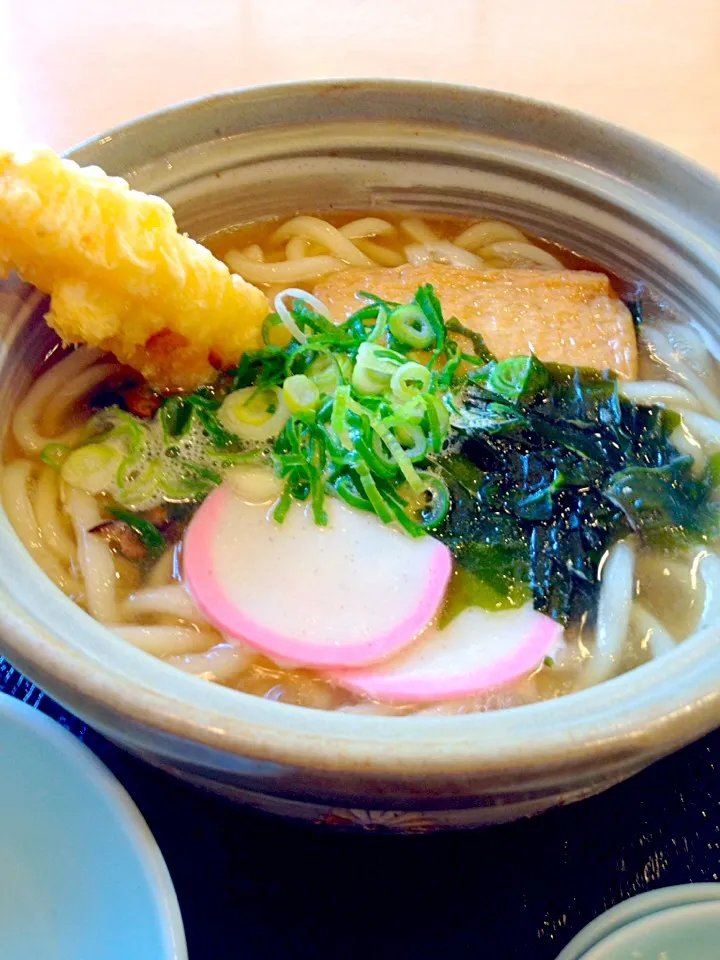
(254, 887)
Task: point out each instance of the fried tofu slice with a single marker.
(120, 275)
(569, 316)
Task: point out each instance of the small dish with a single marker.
(80, 873)
(645, 905)
(690, 932)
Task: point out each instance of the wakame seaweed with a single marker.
(552, 466)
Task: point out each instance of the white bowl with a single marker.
(81, 877)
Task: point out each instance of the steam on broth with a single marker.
(566, 489)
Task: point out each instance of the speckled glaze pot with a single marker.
(636, 207)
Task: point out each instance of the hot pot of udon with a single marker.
(498, 319)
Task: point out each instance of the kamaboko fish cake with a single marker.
(120, 275)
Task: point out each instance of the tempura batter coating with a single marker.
(120, 275)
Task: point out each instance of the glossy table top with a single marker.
(257, 888)
(260, 888)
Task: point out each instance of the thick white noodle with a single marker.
(325, 235)
(285, 272)
(367, 227)
(30, 409)
(418, 230)
(296, 294)
(662, 350)
(94, 556)
(487, 232)
(662, 392)
(710, 573)
(254, 252)
(50, 519)
(703, 428)
(514, 250)
(296, 248)
(686, 444)
(220, 663)
(161, 574)
(655, 637)
(70, 393)
(383, 256)
(688, 344)
(617, 591)
(441, 251)
(16, 477)
(172, 600)
(164, 641)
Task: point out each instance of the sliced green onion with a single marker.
(187, 482)
(151, 537)
(399, 507)
(380, 461)
(438, 422)
(518, 378)
(138, 481)
(175, 417)
(347, 490)
(398, 451)
(338, 421)
(453, 360)
(317, 498)
(428, 302)
(374, 368)
(379, 504)
(410, 326)
(380, 326)
(329, 371)
(430, 505)
(435, 511)
(132, 434)
(482, 354)
(409, 380)
(254, 414)
(412, 411)
(411, 436)
(55, 454)
(282, 507)
(300, 393)
(271, 322)
(93, 467)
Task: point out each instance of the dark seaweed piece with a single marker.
(665, 505)
(544, 483)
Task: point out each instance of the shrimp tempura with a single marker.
(120, 275)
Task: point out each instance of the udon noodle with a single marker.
(649, 600)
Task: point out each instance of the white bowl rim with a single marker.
(626, 715)
(628, 937)
(130, 822)
(635, 908)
